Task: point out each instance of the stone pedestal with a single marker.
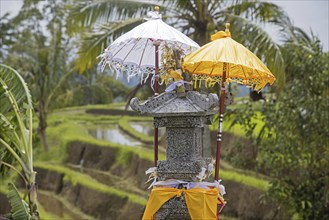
(174, 209)
(184, 118)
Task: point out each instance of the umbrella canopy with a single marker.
(223, 61)
(137, 53)
(241, 65)
(134, 52)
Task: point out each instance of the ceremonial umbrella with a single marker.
(137, 53)
(223, 61)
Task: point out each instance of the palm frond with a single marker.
(15, 119)
(87, 14)
(19, 208)
(94, 44)
(257, 11)
(261, 43)
(17, 87)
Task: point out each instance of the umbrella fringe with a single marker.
(210, 81)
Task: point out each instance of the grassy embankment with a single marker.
(87, 181)
(71, 124)
(73, 128)
(64, 129)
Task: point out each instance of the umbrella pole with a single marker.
(156, 93)
(220, 122)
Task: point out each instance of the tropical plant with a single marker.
(101, 21)
(6, 35)
(16, 147)
(293, 143)
(297, 151)
(42, 59)
(89, 88)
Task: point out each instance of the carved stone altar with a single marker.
(184, 119)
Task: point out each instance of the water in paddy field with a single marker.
(146, 127)
(113, 134)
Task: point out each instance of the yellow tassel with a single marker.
(176, 75)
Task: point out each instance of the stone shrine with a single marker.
(184, 116)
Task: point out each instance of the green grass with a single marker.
(44, 215)
(60, 116)
(58, 138)
(68, 205)
(237, 129)
(87, 181)
(65, 131)
(116, 105)
(247, 180)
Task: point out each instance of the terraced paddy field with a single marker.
(95, 169)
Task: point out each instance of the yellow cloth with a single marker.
(176, 75)
(201, 203)
(219, 34)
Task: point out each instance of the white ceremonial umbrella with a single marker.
(137, 53)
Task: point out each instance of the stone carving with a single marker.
(205, 102)
(151, 103)
(185, 118)
(170, 211)
(186, 171)
(169, 103)
(182, 121)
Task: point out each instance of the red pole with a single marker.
(156, 93)
(220, 122)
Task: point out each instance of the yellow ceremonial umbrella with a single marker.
(223, 61)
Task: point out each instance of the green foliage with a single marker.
(248, 180)
(244, 116)
(82, 109)
(90, 89)
(124, 157)
(118, 90)
(15, 122)
(19, 208)
(16, 137)
(83, 118)
(90, 95)
(6, 35)
(237, 156)
(238, 119)
(41, 59)
(296, 148)
(111, 24)
(290, 135)
(12, 82)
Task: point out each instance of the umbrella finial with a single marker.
(222, 34)
(154, 15)
(227, 29)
